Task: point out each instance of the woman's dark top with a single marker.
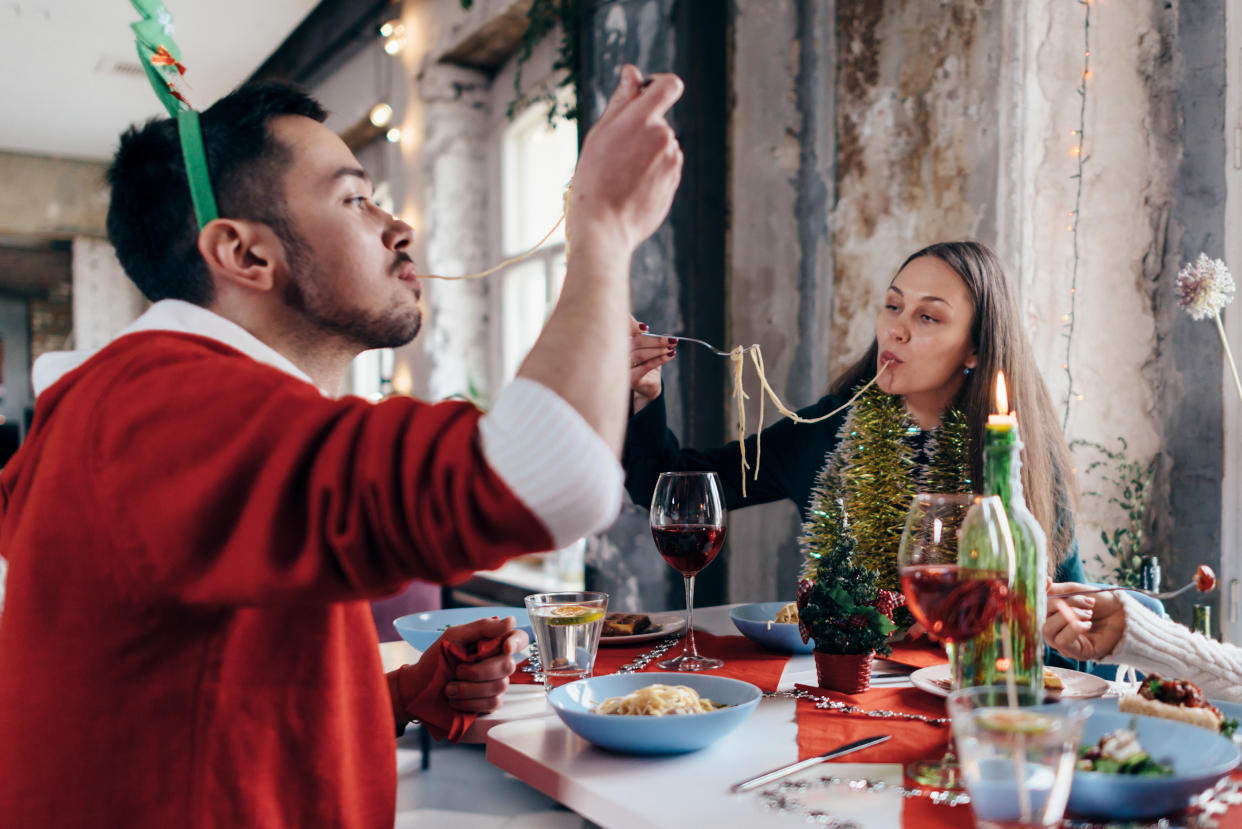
(793, 455)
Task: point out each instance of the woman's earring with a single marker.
(966, 370)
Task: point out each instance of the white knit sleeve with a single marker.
(1162, 646)
(552, 460)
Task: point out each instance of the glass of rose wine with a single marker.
(688, 524)
(956, 562)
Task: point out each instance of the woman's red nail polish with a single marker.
(672, 341)
(642, 326)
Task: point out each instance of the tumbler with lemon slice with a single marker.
(567, 628)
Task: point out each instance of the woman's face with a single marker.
(924, 332)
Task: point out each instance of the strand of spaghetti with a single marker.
(740, 396)
(510, 261)
(758, 360)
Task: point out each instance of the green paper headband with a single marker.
(161, 58)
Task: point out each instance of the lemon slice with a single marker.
(573, 614)
(1007, 721)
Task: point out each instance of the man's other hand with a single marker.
(479, 687)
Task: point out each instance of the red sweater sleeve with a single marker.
(227, 481)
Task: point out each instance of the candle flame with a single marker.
(1002, 397)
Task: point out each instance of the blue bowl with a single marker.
(421, 630)
(755, 623)
(1199, 759)
(671, 734)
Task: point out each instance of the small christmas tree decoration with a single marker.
(1204, 287)
(848, 616)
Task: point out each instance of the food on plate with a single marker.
(1119, 752)
(787, 615)
(1205, 579)
(1052, 682)
(1176, 699)
(657, 700)
(625, 624)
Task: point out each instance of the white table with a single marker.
(614, 790)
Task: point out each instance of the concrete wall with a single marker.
(783, 136)
(104, 299)
(51, 197)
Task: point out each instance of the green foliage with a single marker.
(541, 18)
(844, 610)
(1132, 480)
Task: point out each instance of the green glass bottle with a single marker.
(984, 659)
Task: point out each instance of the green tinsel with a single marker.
(864, 491)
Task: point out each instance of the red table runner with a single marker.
(743, 660)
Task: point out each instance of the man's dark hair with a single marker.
(151, 220)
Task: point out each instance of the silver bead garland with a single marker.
(784, 798)
(826, 704)
(535, 668)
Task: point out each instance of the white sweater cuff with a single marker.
(552, 460)
(1155, 645)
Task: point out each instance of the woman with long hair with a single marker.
(948, 324)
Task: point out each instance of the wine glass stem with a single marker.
(690, 649)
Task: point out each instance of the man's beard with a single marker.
(384, 329)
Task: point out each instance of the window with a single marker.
(536, 164)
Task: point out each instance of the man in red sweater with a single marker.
(196, 522)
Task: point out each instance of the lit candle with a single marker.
(1004, 420)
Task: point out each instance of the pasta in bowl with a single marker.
(647, 721)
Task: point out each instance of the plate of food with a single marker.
(1062, 682)
(1151, 753)
(421, 630)
(635, 628)
(774, 625)
(654, 713)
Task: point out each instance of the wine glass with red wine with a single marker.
(956, 562)
(688, 524)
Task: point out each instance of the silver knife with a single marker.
(776, 774)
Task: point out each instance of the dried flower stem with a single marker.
(1233, 367)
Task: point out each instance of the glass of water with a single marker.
(1017, 752)
(567, 628)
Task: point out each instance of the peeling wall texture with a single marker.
(916, 143)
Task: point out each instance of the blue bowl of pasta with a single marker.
(650, 721)
(757, 622)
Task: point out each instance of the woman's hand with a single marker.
(1083, 627)
(647, 355)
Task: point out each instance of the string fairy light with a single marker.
(1068, 320)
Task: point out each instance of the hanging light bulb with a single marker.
(392, 27)
(393, 135)
(394, 45)
(381, 114)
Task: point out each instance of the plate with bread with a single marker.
(1062, 682)
(635, 628)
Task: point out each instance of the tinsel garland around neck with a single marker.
(867, 484)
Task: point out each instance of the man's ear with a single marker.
(245, 254)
